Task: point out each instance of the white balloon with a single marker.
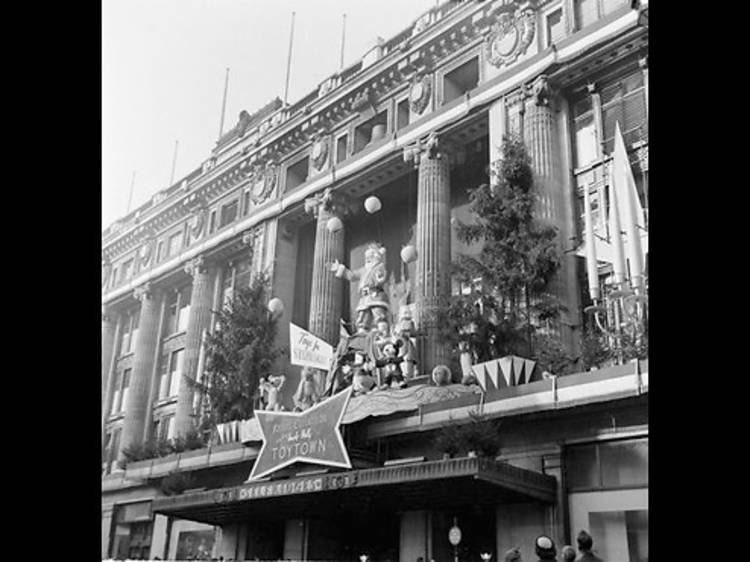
(334, 224)
(373, 204)
(276, 306)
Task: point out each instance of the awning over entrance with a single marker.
(423, 485)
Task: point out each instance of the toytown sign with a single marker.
(312, 436)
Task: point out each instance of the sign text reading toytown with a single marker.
(312, 436)
(308, 350)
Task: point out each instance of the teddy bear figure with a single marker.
(307, 392)
(390, 364)
(270, 388)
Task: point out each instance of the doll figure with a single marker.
(390, 364)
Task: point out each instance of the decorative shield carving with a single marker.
(262, 181)
(319, 153)
(420, 93)
(199, 223)
(147, 252)
(510, 37)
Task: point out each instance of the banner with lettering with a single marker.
(308, 350)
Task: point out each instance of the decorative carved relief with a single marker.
(147, 252)
(511, 36)
(319, 152)
(420, 93)
(143, 292)
(541, 91)
(198, 226)
(363, 100)
(262, 178)
(421, 24)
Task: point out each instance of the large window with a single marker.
(126, 271)
(237, 274)
(177, 311)
(228, 213)
(555, 26)
(607, 465)
(129, 331)
(587, 12)
(461, 80)
(175, 371)
(175, 243)
(120, 392)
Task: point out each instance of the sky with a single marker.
(164, 64)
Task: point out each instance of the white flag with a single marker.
(631, 209)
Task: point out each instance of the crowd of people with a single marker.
(545, 549)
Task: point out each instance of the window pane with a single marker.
(170, 319)
(620, 535)
(163, 376)
(175, 372)
(624, 463)
(585, 13)
(228, 213)
(174, 244)
(555, 27)
(135, 319)
(585, 141)
(609, 6)
(125, 387)
(581, 466)
(184, 312)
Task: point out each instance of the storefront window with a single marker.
(607, 465)
(620, 535)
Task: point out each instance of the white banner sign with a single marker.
(308, 350)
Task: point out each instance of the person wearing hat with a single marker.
(513, 555)
(585, 544)
(545, 548)
(568, 553)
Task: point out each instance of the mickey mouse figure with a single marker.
(391, 365)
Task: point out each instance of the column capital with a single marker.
(433, 147)
(250, 236)
(196, 265)
(541, 91)
(107, 313)
(643, 63)
(143, 292)
(332, 203)
(591, 87)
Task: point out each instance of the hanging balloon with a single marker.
(334, 224)
(372, 204)
(408, 254)
(276, 306)
(441, 375)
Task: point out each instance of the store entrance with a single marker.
(347, 536)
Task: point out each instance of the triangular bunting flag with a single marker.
(480, 374)
(518, 363)
(491, 367)
(506, 365)
(529, 369)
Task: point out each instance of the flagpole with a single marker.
(343, 38)
(289, 62)
(130, 197)
(174, 162)
(224, 103)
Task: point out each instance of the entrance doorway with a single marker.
(349, 535)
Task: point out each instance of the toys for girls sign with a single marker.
(307, 350)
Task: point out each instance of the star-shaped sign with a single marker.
(311, 436)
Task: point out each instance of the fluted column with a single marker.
(326, 298)
(553, 201)
(433, 247)
(198, 321)
(143, 363)
(109, 328)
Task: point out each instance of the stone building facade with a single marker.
(417, 121)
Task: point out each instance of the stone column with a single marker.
(643, 64)
(143, 363)
(110, 324)
(107, 512)
(326, 298)
(553, 200)
(198, 321)
(433, 247)
(558, 520)
(109, 327)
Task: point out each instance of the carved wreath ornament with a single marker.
(510, 37)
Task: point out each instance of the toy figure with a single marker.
(270, 388)
(391, 365)
(307, 394)
(373, 303)
(404, 331)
